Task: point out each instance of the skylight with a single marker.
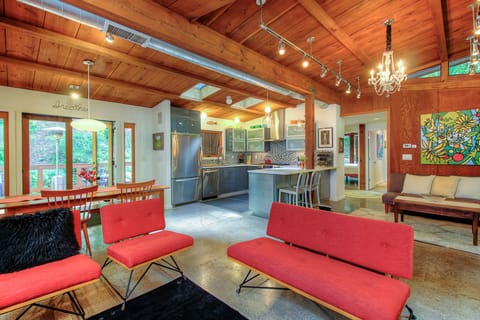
(243, 104)
(199, 91)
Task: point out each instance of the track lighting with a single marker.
(337, 83)
(283, 42)
(324, 72)
(109, 37)
(281, 48)
(359, 92)
(339, 75)
(349, 89)
(305, 62)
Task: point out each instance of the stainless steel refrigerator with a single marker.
(186, 168)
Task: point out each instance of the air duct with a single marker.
(78, 15)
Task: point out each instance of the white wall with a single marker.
(18, 101)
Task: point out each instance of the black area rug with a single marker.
(176, 300)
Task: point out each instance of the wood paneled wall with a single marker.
(403, 126)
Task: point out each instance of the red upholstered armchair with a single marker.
(137, 237)
(40, 259)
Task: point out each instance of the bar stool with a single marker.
(313, 185)
(296, 194)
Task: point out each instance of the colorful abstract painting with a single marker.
(450, 137)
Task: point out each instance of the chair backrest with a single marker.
(314, 179)
(77, 199)
(135, 191)
(302, 180)
(126, 220)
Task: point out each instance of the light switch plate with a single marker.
(406, 156)
(407, 146)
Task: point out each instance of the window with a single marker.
(350, 153)
(54, 153)
(4, 190)
(211, 143)
(129, 164)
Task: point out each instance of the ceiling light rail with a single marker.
(306, 56)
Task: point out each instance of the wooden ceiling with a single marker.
(44, 52)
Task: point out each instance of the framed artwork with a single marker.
(379, 146)
(450, 138)
(341, 145)
(325, 137)
(158, 141)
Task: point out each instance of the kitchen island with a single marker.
(263, 185)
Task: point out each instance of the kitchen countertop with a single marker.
(216, 165)
(288, 171)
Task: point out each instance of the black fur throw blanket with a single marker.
(33, 239)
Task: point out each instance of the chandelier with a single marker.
(389, 78)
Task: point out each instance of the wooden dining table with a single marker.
(12, 205)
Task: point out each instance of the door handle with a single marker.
(188, 179)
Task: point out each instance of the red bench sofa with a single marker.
(336, 260)
(137, 237)
(40, 253)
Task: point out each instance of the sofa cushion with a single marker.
(468, 187)
(444, 186)
(361, 292)
(396, 182)
(46, 278)
(34, 239)
(415, 184)
(135, 251)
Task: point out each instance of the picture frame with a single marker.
(341, 145)
(325, 137)
(158, 141)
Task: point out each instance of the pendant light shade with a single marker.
(88, 124)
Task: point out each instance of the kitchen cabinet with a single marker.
(256, 140)
(185, 121)
(295, 138)
(235, 140)
(233, 179)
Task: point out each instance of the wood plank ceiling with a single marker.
(44, 52)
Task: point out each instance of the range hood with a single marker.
(277, 125)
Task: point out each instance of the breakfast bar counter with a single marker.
(263, 185)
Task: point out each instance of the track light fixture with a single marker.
(281, 48)
(109, 37)
(324, 72)
(349, 89)
(306, 57)
(473, 39)
(305, 62)
(359, 92)
(339, 74)
(475, 17)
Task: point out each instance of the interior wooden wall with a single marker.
(403, 125)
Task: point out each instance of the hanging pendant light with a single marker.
(88, 124)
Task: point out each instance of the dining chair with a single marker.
(78, 199)
(296, 194)
(313, 185)
(135, 191)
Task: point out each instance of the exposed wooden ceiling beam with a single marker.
(328, 23)
(97, 81)
(125, 58)
(439, 22)
(159, 22)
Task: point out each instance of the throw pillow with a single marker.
(396, 182)
(468, 187)
(444, 186)
(417, 184)
(34, 239)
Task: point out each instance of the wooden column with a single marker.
(310, 130)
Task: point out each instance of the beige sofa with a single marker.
(465, 189)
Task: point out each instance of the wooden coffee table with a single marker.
(457, 209)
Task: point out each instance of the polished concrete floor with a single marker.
(446, 282)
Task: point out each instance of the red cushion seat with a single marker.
(357, 291)
(34, 282)
(149, 247)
